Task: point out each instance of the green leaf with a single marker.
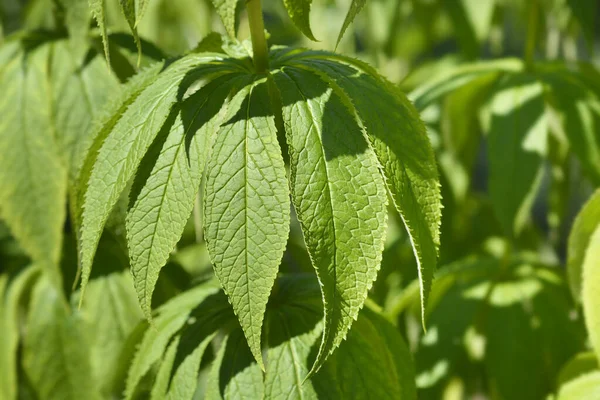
(140, 10)
(129, 11)
(472, 20)
(184, 381)
(579, 111)
(445, 83)
(33, 179)
(339, 196)
(102, 126)
(246, 206)
(234, 374)
(517, 142)
(121, 145)
(226, 10)
(586, 222)
(584, 387)
(590, 290)
(171, 317)
(355, 8)
(109, 314)
(12, 296)
(55, 350)
(98, 10)
(581, 364)
(164, 203)
(299, 12)
(405, 156)
(161, 383)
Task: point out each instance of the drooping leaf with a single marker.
(121, 145)
(517, 142)
(226, 10)
(56, 357)
(246, 207)
(585, 224)
(339, 196)
(33, 179)
(164, 203)
(98, 10)
(12, 296)
(102, 127)
(590, 290)
(355, 8)
(299, 12)
(405, 156)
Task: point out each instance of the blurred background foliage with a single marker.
(502, 321)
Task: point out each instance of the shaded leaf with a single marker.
(517, 144)
(164, 202)
(339, 197)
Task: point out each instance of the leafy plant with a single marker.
(278, 206)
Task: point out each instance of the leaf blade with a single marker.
(246, 208)
(339, 197)
(160, 211)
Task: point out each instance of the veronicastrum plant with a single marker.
(231, 116)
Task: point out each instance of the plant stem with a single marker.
(257, 33)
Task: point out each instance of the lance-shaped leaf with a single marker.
(33, 179)
(355, 8)
(586, 222)
(398, 137)
(102, 127)
(98, 10)
(246, 207)
(226, 10)
(517, 143)
(140, 10)
(299, 12)
(339, 196)
(56, 357)
(121, 152)
(129, 11)
(167, 183)
(590, 291)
